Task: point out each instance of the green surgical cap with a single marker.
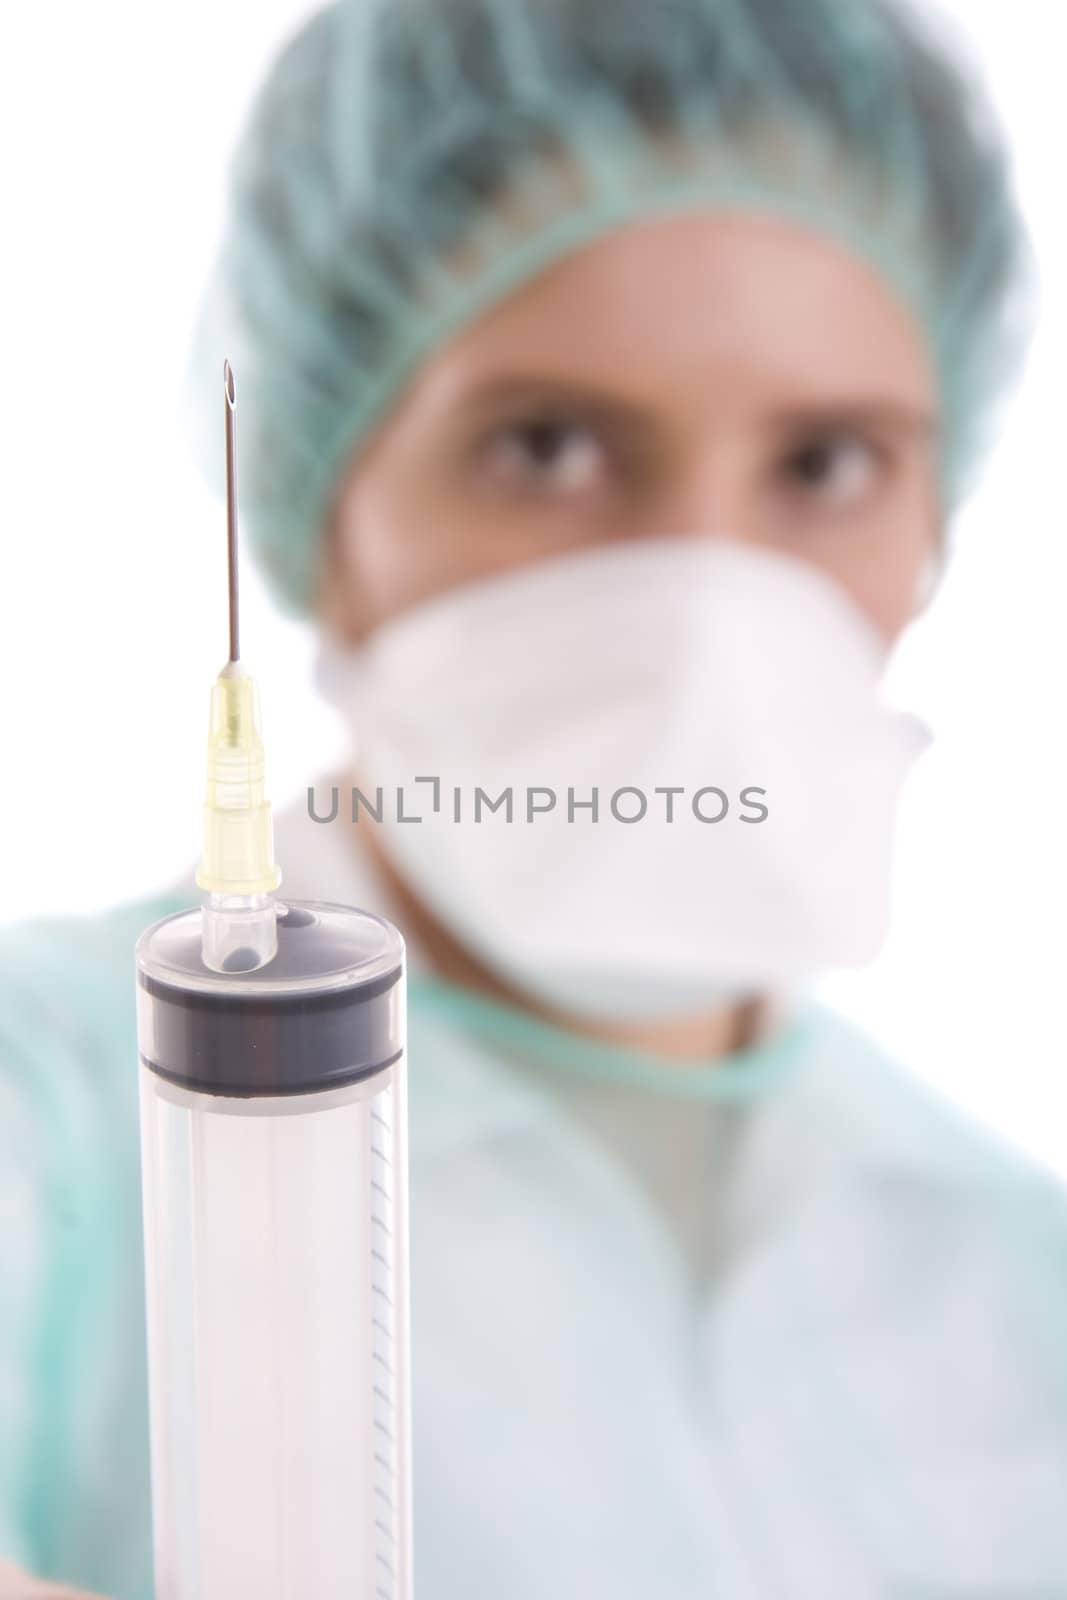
(409, 163)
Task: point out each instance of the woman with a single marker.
(609, 378)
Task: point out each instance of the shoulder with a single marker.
(68, 1043)
(880, 1115)
(94, 945)
(71, 1356)
(67, 994)
(89, 945)
(942, 1203)
(937, 1276)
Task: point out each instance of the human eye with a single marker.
(834, 469)
(549, 454)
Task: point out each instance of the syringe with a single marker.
(273, 1088)
(237, 871)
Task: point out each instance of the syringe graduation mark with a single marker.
(230, 388)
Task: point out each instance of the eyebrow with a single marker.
(881, 415)
(876, 412)
(495, 394)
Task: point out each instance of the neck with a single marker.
(702, 1038)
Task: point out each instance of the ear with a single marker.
(337, 592)
(934, 568)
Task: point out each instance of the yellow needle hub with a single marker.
(238, 827)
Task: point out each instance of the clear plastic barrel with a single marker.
(276, 1248)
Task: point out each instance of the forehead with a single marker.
(727, 304)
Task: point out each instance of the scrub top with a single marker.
(787, 1325)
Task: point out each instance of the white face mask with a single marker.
(689, 664)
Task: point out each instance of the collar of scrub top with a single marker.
(459, 1042)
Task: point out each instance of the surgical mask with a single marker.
(638, 782)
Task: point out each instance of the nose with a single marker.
(708, 497)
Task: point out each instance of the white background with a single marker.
(115, 121)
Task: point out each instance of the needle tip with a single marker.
(231, 387)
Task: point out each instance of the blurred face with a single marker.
(700, 375)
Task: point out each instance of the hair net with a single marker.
(408, 163)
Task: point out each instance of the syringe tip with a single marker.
(231, 505)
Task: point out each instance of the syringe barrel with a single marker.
(274, 1160)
